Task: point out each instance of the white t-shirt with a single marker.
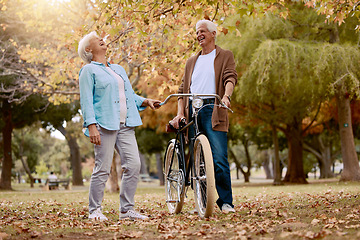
(203, 76)
(122, 97)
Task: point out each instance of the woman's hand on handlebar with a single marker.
(175, 121)
(153, 104)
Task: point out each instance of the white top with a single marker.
(203, 76)
(122, 97)
(52, 177)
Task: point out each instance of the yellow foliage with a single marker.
(151, 41)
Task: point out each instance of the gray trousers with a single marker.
(124, 142)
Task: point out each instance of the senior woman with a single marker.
(110, 109)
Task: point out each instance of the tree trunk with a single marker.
(238, 166)
(113, 184)
(143, 168)
(159, 164)
(295, 170)
(326, 160)
(266, 164)
(248, 160)
(325, 164)
(277, 167)
(236, 161)
(323, 155)
(351, 171)
(27, 170)
(75, 158)
(24, 162)
(5, 181)
(246, 176)
(237, 172)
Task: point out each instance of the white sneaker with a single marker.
(132, 215)
(226, 208)
(97, 215)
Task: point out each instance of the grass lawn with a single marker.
(319, 210)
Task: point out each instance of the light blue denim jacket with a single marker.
(99, 97)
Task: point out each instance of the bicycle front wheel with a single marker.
(203, 177)
(174, 179)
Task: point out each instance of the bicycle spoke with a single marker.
(174, 179)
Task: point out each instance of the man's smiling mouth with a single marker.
(201, 38)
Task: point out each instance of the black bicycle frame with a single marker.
(180, 146)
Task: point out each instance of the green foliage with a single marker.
(310, 163)
(288, 67)
(56, 155)
(26, 112)
(249, 34)
(281, 77)
(287, 72)
(41, 169)
(149, 141)
(55, 115)
(28, 143)
(340, 65)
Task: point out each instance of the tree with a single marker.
(340, 66)
(56, 116)
(323, 139)
(241, 135)
(301, 33)
(283, 94)
(150, 142)
(335, 11)
(27, 147)
(249, 137)
(16, 116)
(20, 103)
(344, 84)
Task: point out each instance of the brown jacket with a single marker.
(225, 72)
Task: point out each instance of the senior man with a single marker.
(211, 71)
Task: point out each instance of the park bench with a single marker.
(145, 178)
(56, 183)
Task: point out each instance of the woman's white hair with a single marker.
(209, 25)
(83, 44)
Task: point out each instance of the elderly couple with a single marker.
(110, 109)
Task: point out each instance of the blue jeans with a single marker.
(218, 144)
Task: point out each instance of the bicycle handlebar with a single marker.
(196, 95)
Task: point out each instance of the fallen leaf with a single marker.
(3, 235)
(315, 221)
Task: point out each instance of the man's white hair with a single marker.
(83, 44)
(209, 25)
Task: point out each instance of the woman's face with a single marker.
(97, 45)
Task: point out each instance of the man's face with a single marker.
(204, 36)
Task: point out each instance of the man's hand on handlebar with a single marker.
(225, 100)
(175, 121)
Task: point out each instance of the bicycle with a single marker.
(198, 170)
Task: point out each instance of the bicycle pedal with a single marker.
(172, 201)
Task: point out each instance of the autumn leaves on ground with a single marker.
(314, 211)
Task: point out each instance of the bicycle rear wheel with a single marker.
(174, 179)
(203, 177)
